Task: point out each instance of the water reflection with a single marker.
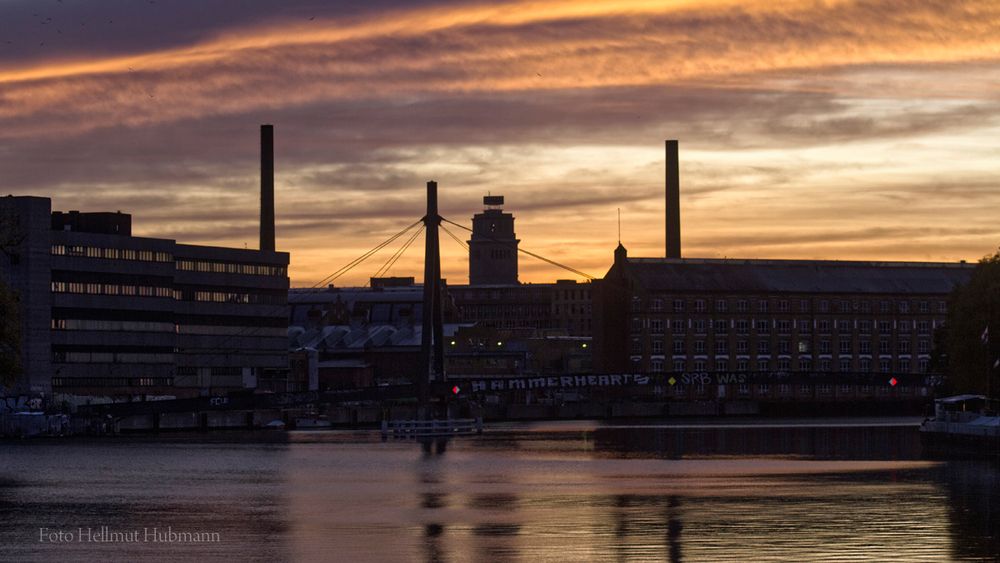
(597, 493)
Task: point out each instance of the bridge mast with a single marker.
(432, 337)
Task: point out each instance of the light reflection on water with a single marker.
(552, 492)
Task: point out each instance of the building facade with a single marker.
(105, 313)
(835, 321)
(493, 245)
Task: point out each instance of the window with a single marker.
(824, 306)
(721, 326)
(699, 305)
(742, 347)
(824, 326)
(784, 326)
(763, 347)
(864, 365)
(884, 365)
(721, 347)
(678, 327)
(824, 346)
(884, 327)
(865, 347)
(843, 327)
(883, 306)
(656, 326)
(904, 326)
(825, 365)
(805, 327)
(721, 365)
(925, 307)
(699, 326)
(636, 348)
(763, 389)
(636, 324)
(784, 347)
(923, 346)
(656, 305)
(803, 347)
(804, 305)
(763, 327)
(699, 365)
(784, 364)
(699, 346)
(865, 327)
(883, 346)
(763, 365)
(742, 326)
(845, 365)
(657, 346)
(923, 365)
(903, 346)
(720, 305)
(762, 305)
(656, 366)
(678, 346)
(742, 365)
(805, 363)
(923, 327)
(904, 307)
(904, 365)
(743, 306)
(744, 389)
(678, 365)
(678, 305)
(783, 305)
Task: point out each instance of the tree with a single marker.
(971, 341)
(10, 338)
(11, 237)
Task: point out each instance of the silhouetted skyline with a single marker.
(839, 131)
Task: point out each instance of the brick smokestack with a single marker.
(673, 239)
(267, 187)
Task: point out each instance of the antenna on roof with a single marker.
(619, 225)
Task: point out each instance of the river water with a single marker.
(835, 490)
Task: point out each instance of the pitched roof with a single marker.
(802, 276)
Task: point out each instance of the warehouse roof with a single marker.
(804, 276)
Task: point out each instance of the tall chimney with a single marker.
(673, 239)
(267, 187)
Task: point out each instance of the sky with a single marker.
(821, 129)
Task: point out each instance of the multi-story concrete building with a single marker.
(110, 314)
(107, 313)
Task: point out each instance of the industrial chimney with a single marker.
(673, 239)
(267, 187)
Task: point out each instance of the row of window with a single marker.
(158, 256)
(883, 306)
(220, 267)
(111, 289)
(111, 358)
(149, 326)
(865, 365)
(782, 326)
(131, 326)
(112, 382)
(237, 297)
(149, 291)
(785, 389)
(111, 253)
(785, 347)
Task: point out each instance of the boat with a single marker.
(963, 425)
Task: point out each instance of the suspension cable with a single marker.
(460, 242)
(529, 253)
(384, 269)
